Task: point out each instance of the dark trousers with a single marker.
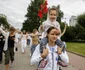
(9, 55)
(1, 50)
(1, 54)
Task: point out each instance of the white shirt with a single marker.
(52, 57)
(47, 25)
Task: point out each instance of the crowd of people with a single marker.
(46, 46)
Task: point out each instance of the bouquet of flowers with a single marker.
(43, 9)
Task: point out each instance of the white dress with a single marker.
(23, 42)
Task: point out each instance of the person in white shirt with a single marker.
(51, 52)
(10, 39)
(23, 41)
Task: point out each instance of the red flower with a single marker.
(41, 6)
(40, 14)
(45, 10)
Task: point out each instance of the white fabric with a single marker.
(18, 35)
(47, 24)
(28, 36)
(6, 34)
(23, 45)
(36, 58)
(24, 37)
(23, 42)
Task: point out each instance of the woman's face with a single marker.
(52, 15)
(12, 31)
(53, 35)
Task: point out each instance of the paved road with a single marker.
(77, 61)
(22, 62)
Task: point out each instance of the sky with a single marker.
(15, 10)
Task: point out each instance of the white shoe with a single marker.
(11, 65)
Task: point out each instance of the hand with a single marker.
(1, 36)
(45, 53)
(41, 27)
(59, 50)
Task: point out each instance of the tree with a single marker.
(70, 34)
(60, 14)
(32, 21)
(81, 20)
(3, 21)
(80, 32)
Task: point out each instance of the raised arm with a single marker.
(64, 30)
(3, 32)
(41, 28)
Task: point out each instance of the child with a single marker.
(51, 21)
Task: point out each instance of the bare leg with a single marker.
(7, 66)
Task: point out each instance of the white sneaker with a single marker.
(11, 65)
(31, 63)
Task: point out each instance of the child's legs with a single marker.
(61, 44)
(64, 48)
(43, 43)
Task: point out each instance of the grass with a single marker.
(78, 48)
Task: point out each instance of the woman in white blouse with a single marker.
(23, 41)
(51, 52)
(10, 40)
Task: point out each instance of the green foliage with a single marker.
(76, 33)
(76, 48)
(33, 21)
(70, 34)
(62, 25)
(81, 20)
(60, 14)
(80, 31)
(3, 21)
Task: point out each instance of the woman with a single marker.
(9, 45)
(35, 40)
(51, 52)
(23, 42)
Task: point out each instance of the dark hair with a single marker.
(12, 29)
(48, 31)
(24, 32)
